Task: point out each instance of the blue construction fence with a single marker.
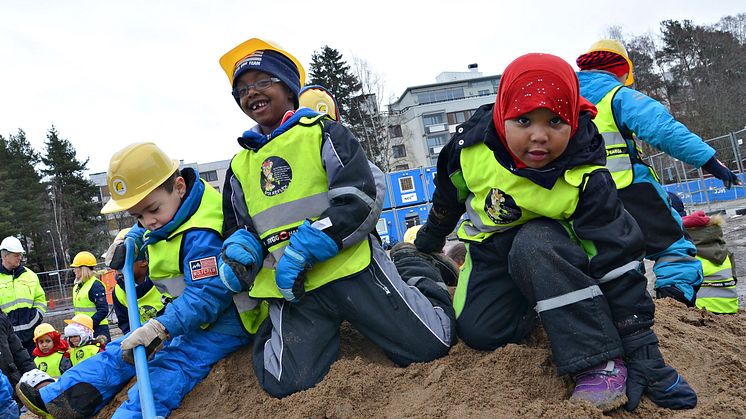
(706, 191)
(408, 200)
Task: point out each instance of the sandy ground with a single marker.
(513, 381)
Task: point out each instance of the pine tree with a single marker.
(81, 227)
(329, 69)
(26, 199)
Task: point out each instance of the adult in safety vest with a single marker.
(89, 294)
(718, 292)
(179, 220)
(624, 115)
(300, 204)
(21, 295)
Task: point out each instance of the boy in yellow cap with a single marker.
(300, 204)
(179, 221)
(625, 115)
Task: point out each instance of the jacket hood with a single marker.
(595, 84)
(585, 147)
(710, 243)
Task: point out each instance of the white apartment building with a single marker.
(423, 119)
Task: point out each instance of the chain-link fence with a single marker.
(697, 187)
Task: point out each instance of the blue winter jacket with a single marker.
(647, 118)
(206, 300)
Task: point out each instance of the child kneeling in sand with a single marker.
(547, 234)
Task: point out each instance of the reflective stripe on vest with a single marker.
(718, 292)
(618, 159)
(81, 303)
(285, 183)
(500, 200)
(148, 305)
(50, 363)
(163, 256)
(81, 353)
(20, 292)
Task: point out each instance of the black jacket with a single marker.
(599, 216)
(14, 358)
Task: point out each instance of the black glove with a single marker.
(428, 240)
(648, 373)
(717, 169)
(676, 294)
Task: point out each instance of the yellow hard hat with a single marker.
(84, 259)
(81, 319)
(43, 329)
(134, 172)
(318, 99)
(612, 45)
(411, 233)
(231, 58)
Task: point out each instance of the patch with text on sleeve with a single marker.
(203, 268)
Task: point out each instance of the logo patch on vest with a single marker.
(501, 208)
(147, 312)
(276, 176)
(203, 268)
(79, 354)
(43, 366)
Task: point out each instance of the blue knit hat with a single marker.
(273, 63)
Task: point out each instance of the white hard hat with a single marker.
(35, 377)
(12, 245)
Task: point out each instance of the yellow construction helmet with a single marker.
(81, 319)
(232, 58)
(42, 330)
(84, 259)
(411, 233)
(134, 172)
(318, 99)
(612, 45)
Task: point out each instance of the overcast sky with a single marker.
(108, 73)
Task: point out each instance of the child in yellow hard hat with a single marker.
(179, 219)
(50, 354)
(80, 339)
(89, 293)
(300, 205)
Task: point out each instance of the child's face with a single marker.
(159, 206)
(268, 106)
(538, 137)
(74, 340)
(45, 344)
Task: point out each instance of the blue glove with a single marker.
(648, 373)
(717, 169)
(240, 261)
(307, 247)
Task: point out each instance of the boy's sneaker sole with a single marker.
(31, 398)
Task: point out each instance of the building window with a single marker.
(440, 95)
(381, 227)
(433, 119)
(395, 131)
(406, 184)
(209, 176)
(437, 140)
(459, 117)
(399, 151)
(404, 166)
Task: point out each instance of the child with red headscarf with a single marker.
(50, 353)
(547, 235)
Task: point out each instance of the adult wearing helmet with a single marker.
(89, 294)
(21, 295)
(624, 115)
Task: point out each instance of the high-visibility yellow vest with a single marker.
(284, 183)
(81, 353)
(81, 303)
(718, 291)
(22, 292)
(620, 151)
(500, 200)
(50, 363)
(165, 269)
(148, 305)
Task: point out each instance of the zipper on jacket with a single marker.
(385, 290)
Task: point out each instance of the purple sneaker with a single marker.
(603, 385)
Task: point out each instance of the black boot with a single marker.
(31, 398)
(409, 263)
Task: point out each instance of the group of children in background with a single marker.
(55, 354)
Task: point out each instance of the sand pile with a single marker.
(517, 380)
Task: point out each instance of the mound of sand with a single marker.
(513, 381)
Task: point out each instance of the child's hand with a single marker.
(241, 252)
(289, 275)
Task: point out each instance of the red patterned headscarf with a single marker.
(59, 345)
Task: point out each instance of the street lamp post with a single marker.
(56, 263)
